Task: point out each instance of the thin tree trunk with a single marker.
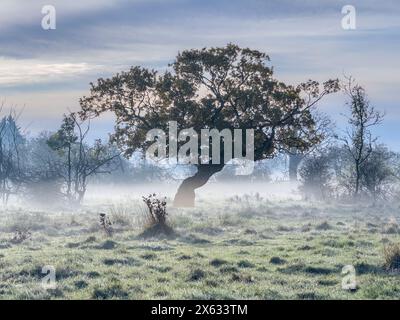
(294, 162)
(357, 187)
(185, 195)
(69, 183)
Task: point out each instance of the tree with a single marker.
(324, 127)
(358, 140)
(12, 144)
(378, 173)
(316, 174)
(212, 88)
(80, 160)
(45, 168)
(63, 141)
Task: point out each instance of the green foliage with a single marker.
(223, 88)
(65, 137)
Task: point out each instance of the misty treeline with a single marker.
(56, 167)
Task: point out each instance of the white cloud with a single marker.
(17, 72)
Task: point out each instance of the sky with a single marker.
(43, 73)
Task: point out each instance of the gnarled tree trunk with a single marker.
(185, 195)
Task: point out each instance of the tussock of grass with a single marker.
(365, 268)
(80, 284)
(148, 256)
(114, 291)
(319, 270)
(184, 257)
(218, 262)
(242, 278)
(323, 226)
(392, 256)
(277, 260)
(197, 275)
(108, 245)
(245, 264)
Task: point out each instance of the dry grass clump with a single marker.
(391, 254)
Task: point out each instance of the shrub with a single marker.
(157, 209)
(156, 218)
(316, 176)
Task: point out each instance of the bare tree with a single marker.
(44, 172)
(358, 140)
(81, 160)
(12, 143)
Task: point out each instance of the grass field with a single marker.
(238, 248)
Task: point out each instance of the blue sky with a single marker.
(46, 72)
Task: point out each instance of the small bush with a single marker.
(156, 223)
(157, 209)
(106, 224)
(392, 256)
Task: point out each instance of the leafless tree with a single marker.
(358, 139)
(11, 152)
(81, 160)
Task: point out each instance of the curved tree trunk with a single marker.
(185, 195)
